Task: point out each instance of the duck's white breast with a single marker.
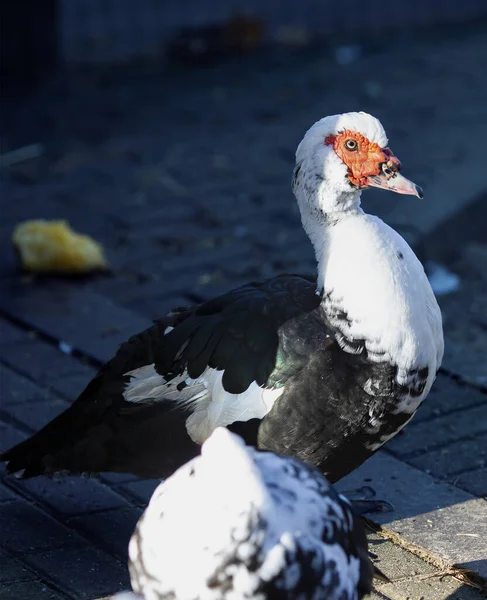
(373, 277)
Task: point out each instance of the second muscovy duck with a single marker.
(325, 370)
(238, 524)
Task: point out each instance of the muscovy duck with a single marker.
(239, 523)
(325, 370)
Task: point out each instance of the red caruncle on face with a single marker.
(362, 157)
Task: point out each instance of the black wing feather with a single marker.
(198, 364)
(239, 332)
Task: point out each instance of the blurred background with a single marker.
(111, 31)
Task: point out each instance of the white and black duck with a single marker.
(326, 370)
(236, 523)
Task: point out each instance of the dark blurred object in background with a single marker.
(29, 44)
(203, 45)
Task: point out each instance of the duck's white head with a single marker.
(340, 156)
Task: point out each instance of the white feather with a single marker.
(209, 404)
(389, 302)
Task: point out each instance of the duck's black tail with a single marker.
(100, 431)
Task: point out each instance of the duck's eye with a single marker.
(351, 145)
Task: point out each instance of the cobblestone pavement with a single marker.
(184, 176)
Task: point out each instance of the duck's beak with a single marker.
(395, 182)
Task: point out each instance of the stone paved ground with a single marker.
(184, 176)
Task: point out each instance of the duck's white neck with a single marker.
(319, 222)
(375, 286)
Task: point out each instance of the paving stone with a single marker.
(466, 330)
(6, 494)
(220, 285)
(470, 366)
(131, 286)
(117, 478)
(27, 529)
(187, 264)
(168, 242)
(154, 308)
(435, 588)
(141, 490)
(15, 389)
(48, 366)
(180, 212)
(38, 413)
(285, 241)
(474, 482)
(454, 458)
(12, 570)
(10, 332)
(82, 319)
(9, 436)
(419, 437)
(84, 572)
(468, 228)
(30, 590)
(446, 396)
(143, 255)
(446, 521)
(71, 386)
(70, 495)
(396, 562)
(111, 529)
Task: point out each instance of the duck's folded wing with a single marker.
(210, 363)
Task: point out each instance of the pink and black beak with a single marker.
(390, 179)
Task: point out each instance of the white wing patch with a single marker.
(210, 404)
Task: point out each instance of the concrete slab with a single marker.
(413, 578)
(32, 590)
(436, 587)
(80, 318)
(474, 482)
(434, 518)
(396, 562)
(465, 318)
(45, 364)
(448, 395)
(455, 458)
(447, 429)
